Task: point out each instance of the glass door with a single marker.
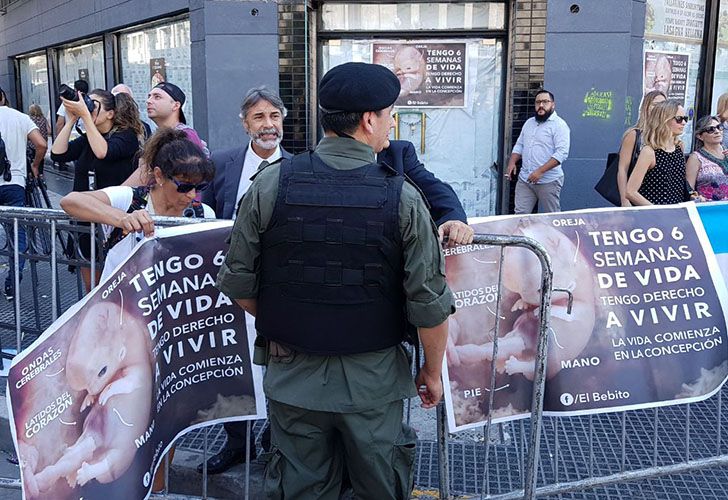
(449, 108)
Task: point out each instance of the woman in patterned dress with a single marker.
(659, 175)
(707, 167)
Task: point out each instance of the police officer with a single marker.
(334, 253)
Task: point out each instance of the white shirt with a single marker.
(62, 112)
(250, 167)
(539, 142)
(121, 198)
(14, 128)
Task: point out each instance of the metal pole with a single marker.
(16, 284)
(54, 273)
(539, 378)
(443, 471)
(204, 461)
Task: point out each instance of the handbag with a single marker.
(607, 185)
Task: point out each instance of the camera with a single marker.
(68, 93)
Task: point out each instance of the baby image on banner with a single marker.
(153, 352)
(646, 328)
(430, 74)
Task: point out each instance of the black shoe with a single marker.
(9, 291)
(226, 459)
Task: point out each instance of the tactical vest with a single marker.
(331, 259)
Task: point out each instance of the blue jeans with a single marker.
(14, 196)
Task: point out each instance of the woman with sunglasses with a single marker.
(114, 134)
(177, 170)
(659, 175)
(632, 141)
(707, 166)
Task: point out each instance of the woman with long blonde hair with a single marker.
(659, 175)
(722, 113)
(631, 141)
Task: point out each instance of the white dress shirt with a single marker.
(250, 167)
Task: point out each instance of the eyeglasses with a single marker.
(543, 101)
(186, 187)
(682, 119)
(712, 129)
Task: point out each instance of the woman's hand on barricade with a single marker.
(137, 221)
(429, 387)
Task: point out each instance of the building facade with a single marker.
(469, 69)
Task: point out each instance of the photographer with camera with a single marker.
(16, 129)
(114, 134)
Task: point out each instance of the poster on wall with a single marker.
(151, 353)
(677, 19)
(432, 75)
(157, 71)
(646, 328)
(666, 72)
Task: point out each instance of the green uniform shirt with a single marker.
(353, 382)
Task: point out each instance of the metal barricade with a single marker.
(529, 458)
(51, 244)
(609, 455)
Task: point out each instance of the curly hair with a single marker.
(126, 112)
(174, 154)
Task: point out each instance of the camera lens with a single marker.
(67, 93)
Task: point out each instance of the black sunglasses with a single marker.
(712, 129)
(186, 187)
(682, 119)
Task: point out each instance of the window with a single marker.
(155, 54)
(673, 44)
(82, 62)
(34, 83)
(450, 108)
(413, 16)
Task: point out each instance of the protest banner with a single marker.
(153, 352)
(430, 74)
(647, 327)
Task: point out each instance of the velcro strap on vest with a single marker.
(331, 274)
(334, 232)
(350, 196)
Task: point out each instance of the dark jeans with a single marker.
(13, 195)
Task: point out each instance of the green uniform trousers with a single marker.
(311, 449)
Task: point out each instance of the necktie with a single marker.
(262, 165)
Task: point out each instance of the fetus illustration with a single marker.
(109, 362)
(409, 66)
(569, 332)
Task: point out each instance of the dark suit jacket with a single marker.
(224, 188)
(444, 203)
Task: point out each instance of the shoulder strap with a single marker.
(635, 151)
(138, 202)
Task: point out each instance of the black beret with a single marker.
(357, 87)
